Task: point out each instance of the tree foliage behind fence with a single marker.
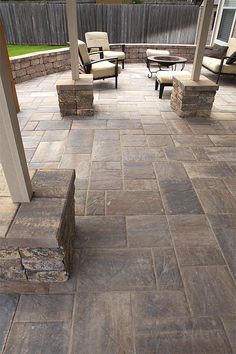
(45, 23)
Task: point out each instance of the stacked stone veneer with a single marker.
(30, 66)
(193, 99)
(76, 97)
(38, 245)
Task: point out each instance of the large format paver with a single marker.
(155, 203)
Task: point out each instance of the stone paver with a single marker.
(155, 204)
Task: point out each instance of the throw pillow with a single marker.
(217, 51)
(232, 58)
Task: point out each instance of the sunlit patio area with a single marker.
(155, 204)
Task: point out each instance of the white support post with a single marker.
(71, 12)
(202, 39)
(12, 155)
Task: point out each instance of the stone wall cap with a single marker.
(52, 183)
(203, 84)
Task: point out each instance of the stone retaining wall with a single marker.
(30, 66)
(37, 245)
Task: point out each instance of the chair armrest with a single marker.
(90, 48)
(122, 45)
(106, 59)
(100, 52)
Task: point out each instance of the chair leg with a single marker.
(116, 81)
(156, 85)
(123, 63)
(162, 86)
(218, 78)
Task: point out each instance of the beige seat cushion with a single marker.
(166, 77)
(156, 52)
(114, 54)
(104, 69)
(213, 64)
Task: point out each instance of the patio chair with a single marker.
(99, 41)
(165, 78)
(225, 65)
(102, 68)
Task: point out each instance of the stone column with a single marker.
(193, 99)
(76, 97)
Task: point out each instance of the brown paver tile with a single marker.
(183, 335)
(227, 242)
(143, 154)
(199, 255)
(133, 140)
(80, 140)
(133, 203)
(54, 125)
(103, 134)
(148, 231)
(138, 170)
(50, 337)
(7, 212)
(231, 184)
(115, 270)
(105, 178)
(166, 269)
(210, 290)
(176, 126)
(177, 191)
(55, 135)
(214, 196)
(79, 162)
(230, 328)
(124, 124)
(221, 153)
(158, 128)
(140, 185)
(106, 325)
(191, 140)
(191, 230)
(8, 304)
(49, 152)
(95, 203)
(44, 308)
(223, 140)
(159, 140)
(208, 170)
(150, 307)
(106, 151)
(100, 232)
(179, 154)
(80, 201)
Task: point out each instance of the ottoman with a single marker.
(165, 78)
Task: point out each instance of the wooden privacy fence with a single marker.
(39, 23)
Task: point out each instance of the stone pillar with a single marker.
(37, 244)
(193, 99)
(76, 97)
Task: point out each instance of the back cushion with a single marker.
(232, 47)
(96, 40)
(83, 52)
(217, 51)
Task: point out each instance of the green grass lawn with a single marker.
(15, 50)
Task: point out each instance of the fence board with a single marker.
(45, 23)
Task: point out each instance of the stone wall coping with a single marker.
(35, 55)
(84, 83)
(204, 84)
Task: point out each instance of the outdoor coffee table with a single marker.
(164, 62)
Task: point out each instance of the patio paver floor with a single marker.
(155, 257)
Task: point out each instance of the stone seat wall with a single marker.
(30, 66)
